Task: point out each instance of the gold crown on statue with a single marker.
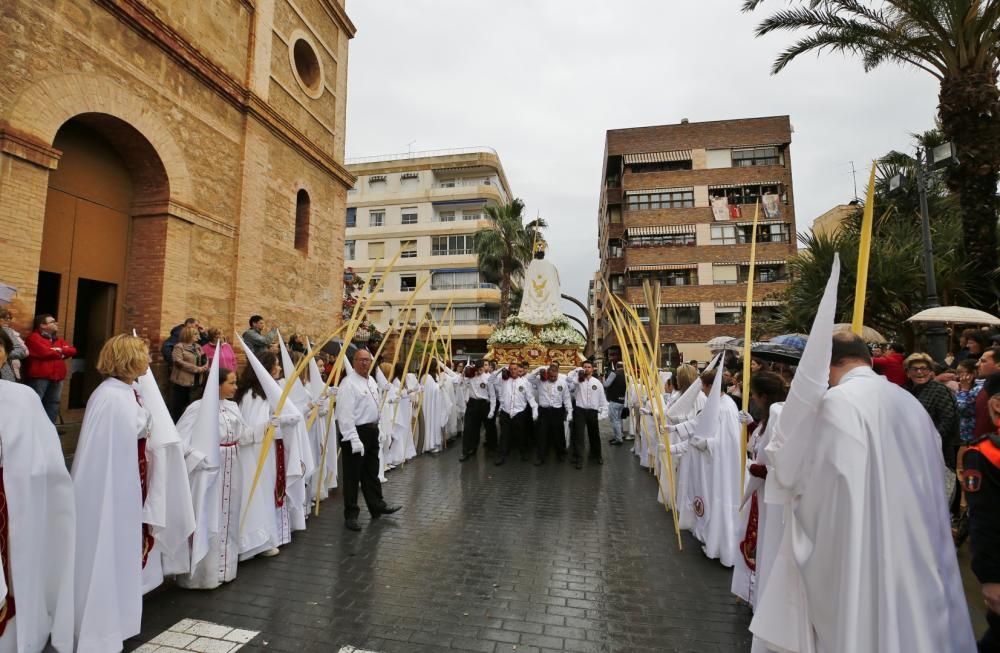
(539, 245)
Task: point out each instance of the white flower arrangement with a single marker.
(511, 334)
(561, 335)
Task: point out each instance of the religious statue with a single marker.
(541, 297)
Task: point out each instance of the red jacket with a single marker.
(43, 362)
(891, 367)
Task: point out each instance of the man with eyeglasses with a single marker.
(987, 366)
(45, 367)
(937, 400)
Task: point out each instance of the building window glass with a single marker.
(457, 280)
(376, 218)
(446, 216)
(472, 215)
(409, 216)
(756, 156)
(723, 234)
(348, 250)
(352, 218)
(408, 249)
(682, 199)
(302, 211)
(615, 249)
(373, 281)
(466, 314)
(680, 315)
(452, 245)
(407, 282)
(660, 166)
(729, 315)
(725, 274)
(617, 283)
(763, 273)
(661, 240)
(665, 277)
(615, 215)
(376, 250)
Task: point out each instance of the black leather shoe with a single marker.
(499, 461)
(616, 443)
(352, 525)
(387, 510)
(464, 457)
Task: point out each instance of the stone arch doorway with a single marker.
(87, 277)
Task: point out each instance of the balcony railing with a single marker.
(456, 183)
(420, 155)
(466, 286)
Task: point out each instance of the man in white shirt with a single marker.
(491, 422)
(357, 421)
(554, 406)
(479, 409)
(515, 397)
(590, 406)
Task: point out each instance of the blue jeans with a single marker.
(615, 413)
(50, 392)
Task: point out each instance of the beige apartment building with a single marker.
(429, 206)
(676, 206)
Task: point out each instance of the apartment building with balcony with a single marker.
(676, 206)
(429, 206)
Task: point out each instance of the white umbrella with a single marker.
(868, 334)
(719, 343)
(954, 315)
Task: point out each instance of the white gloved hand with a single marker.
(534, 415)
(324, 410)
(356, 446)
(490, 416)
(745, 417)
(383, 438)
(701, 444)
(285, 419)
(645, 411)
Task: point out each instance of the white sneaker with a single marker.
(270, 553)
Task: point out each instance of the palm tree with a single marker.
(504, 248)
(956, 42)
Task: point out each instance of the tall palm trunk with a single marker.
(970, 117)
(504, 292)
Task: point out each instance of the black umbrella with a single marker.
(333, 348)
(771, 351)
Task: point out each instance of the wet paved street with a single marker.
(482, 558)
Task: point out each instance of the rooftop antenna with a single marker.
(854, 175)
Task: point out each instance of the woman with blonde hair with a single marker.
(110, 483)
(189, 363)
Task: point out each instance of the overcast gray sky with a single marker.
(542, 80)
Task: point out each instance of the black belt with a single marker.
(550, 408)
(478, 399)
(591, 410)
(373, 425)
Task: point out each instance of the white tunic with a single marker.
(225, 491)
(264, 525)
(41, 526)
(394, 420)
(434, 413)
(748, 584)
(868, 530)
(109, 543)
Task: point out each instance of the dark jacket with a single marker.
(615, 391)
(940, 404)
(43, 362)
(981, 482)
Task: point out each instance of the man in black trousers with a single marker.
(479, 409)
(553, 409)
(591, 405)
(357, 423)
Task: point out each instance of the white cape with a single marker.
(433, 410)
(41, 526)
(869, 528)
(109, 515)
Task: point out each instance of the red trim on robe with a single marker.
(748, 547)
(147, 532)
(8, 609)
(279, 482)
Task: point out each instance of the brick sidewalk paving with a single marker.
(481, 558)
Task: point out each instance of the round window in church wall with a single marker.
(307, 67)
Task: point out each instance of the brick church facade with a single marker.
(163, 159)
